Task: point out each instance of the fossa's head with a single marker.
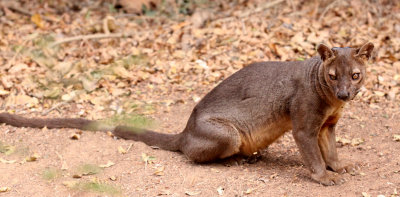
(344, 69)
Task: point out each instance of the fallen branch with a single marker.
(87, 37)
(63, 163)
(27, 13)
(327, 9)
(53, 108)
(248, 13)
(262, 8)
(290, 2)
(12, 61)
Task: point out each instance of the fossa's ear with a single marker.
(325, 52)
(365, 52)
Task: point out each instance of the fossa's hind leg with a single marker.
(210, 140)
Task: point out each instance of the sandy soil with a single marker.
(279, 171)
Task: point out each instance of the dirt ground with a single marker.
(61, 58)
(279, 171)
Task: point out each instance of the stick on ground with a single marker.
(27, 13)
(87, 37)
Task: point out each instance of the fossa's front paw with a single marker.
(348, 168)
(328, 178)
(342, 168)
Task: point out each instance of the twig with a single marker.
(290, 2)
(130, 146)
(12, 61)
(262, 8)
(106, 27)
(27, 13)
(63, 163)
(327, 9)
(244, 28)
(394, 114)
(54, 107)
(257, 10)
(92, 36)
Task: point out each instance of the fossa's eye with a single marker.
(355, 76)
(332, 77)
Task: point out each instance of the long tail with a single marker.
(164, 141)
(51, 123)
(171, 142)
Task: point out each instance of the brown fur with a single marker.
(255, 106)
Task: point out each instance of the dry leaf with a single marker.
(196, 98)
(220, 190)
(7, 161)
(192, 193)
(313, 38)
(365, 194)
(391, 95)
(37, 19)
(200, 17)
(147, 159)
(52, 93)
(379, 93)
(120, 71)
(77, 176)
(109, 133)
(166, 192)
(75, 136)
(395, 192)
(273, 176)
(4, 92)
(64, 166)
(202, 64)
(357, 141)
(374, 106)
(156, 80)
(249, 191)
(298, 38)
(18, 68)
(136, 6)
(12, 100)
(121, 150)
(113, 178)
(343, 141)
(69, 96)
(4, 189)
(107, 165)
(396, 137)
(32, 158)
(89, 84)
(159, 171)
(6, 82)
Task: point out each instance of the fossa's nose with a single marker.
(343, 95)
